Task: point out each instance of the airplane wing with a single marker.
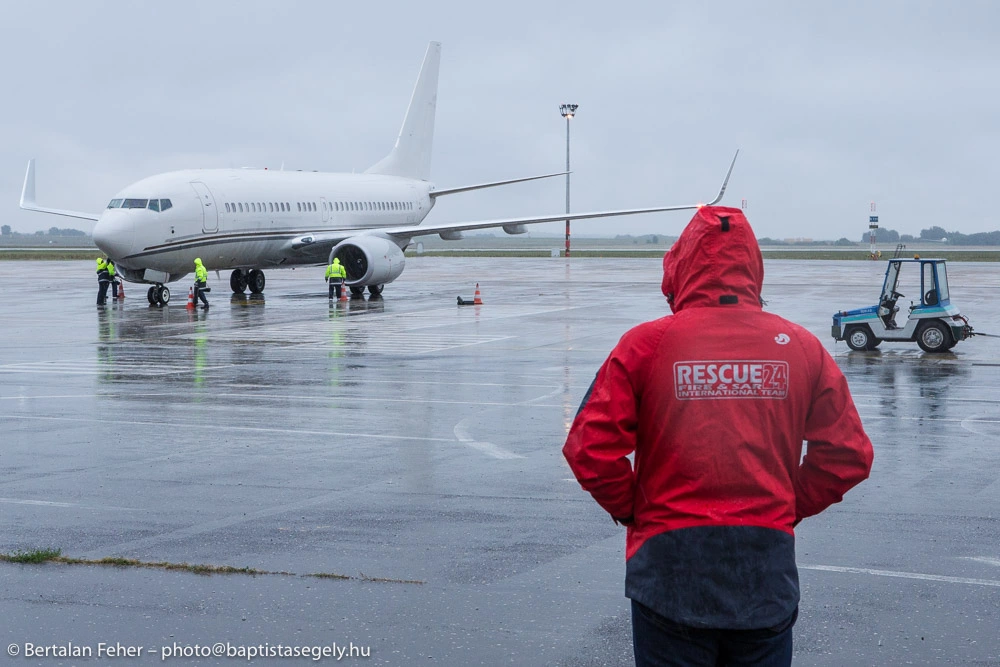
(516, 225)
(317, 246)
(28, 198)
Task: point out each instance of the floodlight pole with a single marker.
(567, 111)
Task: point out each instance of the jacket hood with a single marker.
(715, 262)
(197, 261)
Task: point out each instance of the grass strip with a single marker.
(38, 556)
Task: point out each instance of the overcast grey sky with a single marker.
(833, 104)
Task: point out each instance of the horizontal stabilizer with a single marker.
(480, 186)
(28, 198)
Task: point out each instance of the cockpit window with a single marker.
(154, 204)
(115, 203)
(165, 204)
(135, 203)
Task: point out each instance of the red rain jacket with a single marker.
(716, 401)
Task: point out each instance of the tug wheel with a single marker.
(934, 337)
(860, 339)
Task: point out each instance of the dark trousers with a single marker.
(199, 293)
(114, 288)
(659, 642)
(336, 287)
(102, 291)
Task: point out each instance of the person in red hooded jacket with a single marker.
(715, 401)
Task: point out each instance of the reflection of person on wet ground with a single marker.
(715, 402)
(200, 282)
(103, 279)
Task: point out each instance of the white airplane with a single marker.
(248, 220)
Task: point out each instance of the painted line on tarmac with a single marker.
(983, 559)
(936, 398)
(226, 427)
(50, 503)
(961, 422)
(488, 448)
(903, 575)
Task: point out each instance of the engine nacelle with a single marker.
(369, 260)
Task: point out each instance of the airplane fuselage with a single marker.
(247, 218)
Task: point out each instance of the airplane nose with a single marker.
(114, 234)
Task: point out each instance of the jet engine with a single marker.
(369, 260)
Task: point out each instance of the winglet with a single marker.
(28, 198)
(28, 191)
(725, 183)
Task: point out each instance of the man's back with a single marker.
(716, 401)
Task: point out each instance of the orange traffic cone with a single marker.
(343, 292)
(477, 299)
(190, 305)
(121, 290)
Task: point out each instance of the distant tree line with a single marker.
(935, 233)
(842, 241)
(5, 230)
(650, 239)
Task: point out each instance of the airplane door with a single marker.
(323, 205)
(209, 211)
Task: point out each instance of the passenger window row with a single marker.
(157, 205)
(284, 207)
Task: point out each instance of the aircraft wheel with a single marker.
(934, 337)
(256, 281)
(375, 290)
(357, 291)
(238, 281)
(151, 295)
(858, 338)
(162, 295)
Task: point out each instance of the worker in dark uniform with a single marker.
(112, 274)
(103, 278)
(200, 282)
(336, 275)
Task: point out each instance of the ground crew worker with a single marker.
(114, 280)
(103, 278)
(200, 282)
(336, 275)
(715, 402)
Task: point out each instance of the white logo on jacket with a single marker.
(782, 339)
(730, 379)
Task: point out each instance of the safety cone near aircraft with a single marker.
(121, 290)
(190, 305)
(344, 292)
(477, 300)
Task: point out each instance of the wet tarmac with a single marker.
(414, 446)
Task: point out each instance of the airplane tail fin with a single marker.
(411, 156)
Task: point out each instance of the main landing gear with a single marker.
(240, 279)
(358, 291)
(158, 295)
